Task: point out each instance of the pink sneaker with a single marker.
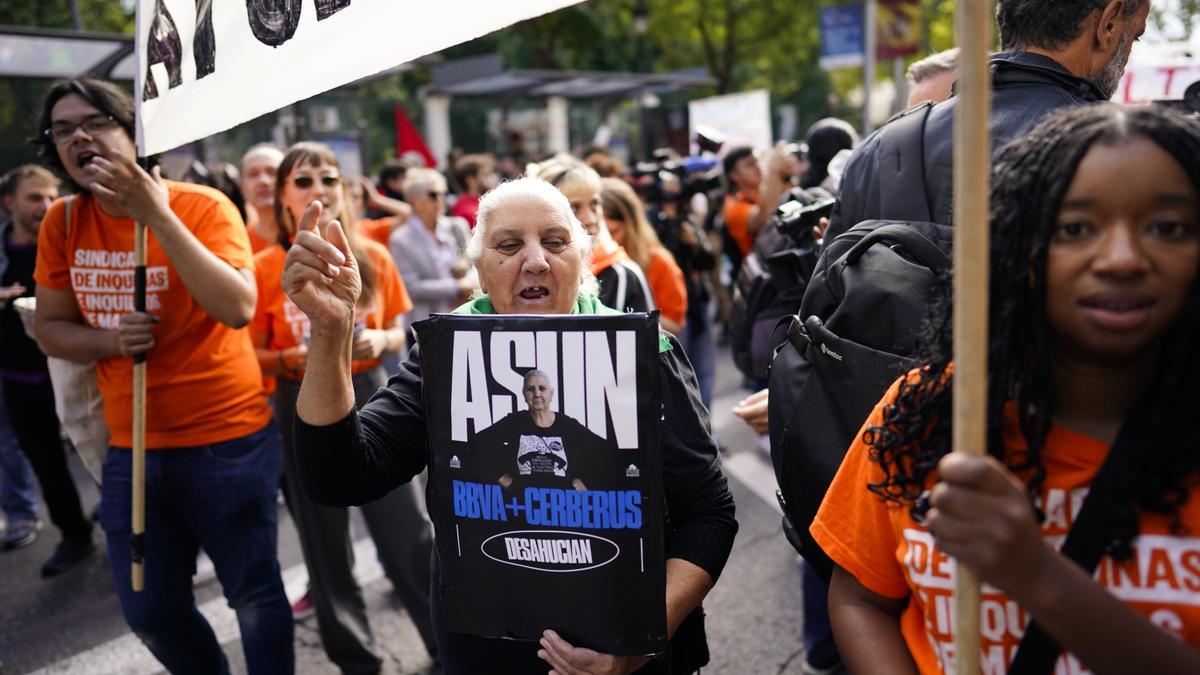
(302, 608)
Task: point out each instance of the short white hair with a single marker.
(267, 149)
(525, 189)
(419, 181)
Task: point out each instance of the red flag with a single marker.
(408, 139)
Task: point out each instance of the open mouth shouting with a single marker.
(84, 159)
(534, 293)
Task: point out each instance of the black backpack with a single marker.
(855, 334)
(768, 287)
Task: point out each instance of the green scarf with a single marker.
(584, 304)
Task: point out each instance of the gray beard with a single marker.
(1109, 77)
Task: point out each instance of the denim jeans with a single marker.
(220, 497)
(697, 341)
(819, 647)
(18, 494)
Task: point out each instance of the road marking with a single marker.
(127, 655)
(755, 473)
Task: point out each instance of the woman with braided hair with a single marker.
(1094, 320)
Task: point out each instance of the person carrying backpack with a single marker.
(1094, 317)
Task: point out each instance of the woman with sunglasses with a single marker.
(309, 173)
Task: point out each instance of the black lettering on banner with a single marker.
(274, 22)
(204, 46)
(327, 8)
(163, 46)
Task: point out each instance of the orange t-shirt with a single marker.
(203, 383)
(737, 219)
(666, 282)
(890, 554)
(257, 243)
(286, 326)
(378, 230)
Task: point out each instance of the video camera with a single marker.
(669, 179)
(795, 219)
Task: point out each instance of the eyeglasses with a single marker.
(305, 182)
(61, 132)
(435, 195)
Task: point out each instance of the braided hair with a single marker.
(1030, 179)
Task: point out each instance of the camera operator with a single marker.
(682, 232)
(753, 192)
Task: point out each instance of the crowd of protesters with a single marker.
(1094, 304)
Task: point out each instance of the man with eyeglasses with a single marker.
(429, 250)
(213, 455)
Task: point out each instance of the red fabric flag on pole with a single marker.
(409, 140)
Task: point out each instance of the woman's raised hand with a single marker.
(320, 274)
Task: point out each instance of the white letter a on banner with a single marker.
(468, 378)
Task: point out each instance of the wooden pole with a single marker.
(138, 540)
(972, 166)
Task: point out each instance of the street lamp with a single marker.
(641, 23)
(641, 18)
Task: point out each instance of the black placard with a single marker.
(555, 527)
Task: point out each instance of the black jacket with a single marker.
(370, 452)
(623, 287)
(1026, 86)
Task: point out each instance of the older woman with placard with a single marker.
(532, 256)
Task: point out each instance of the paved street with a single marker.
(73, 624)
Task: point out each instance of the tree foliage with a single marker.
(108, 16)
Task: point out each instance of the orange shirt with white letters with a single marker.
(203, 383)
(890, 554)
(286, 326)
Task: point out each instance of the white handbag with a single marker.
(78, 402)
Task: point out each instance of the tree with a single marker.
(109, 16)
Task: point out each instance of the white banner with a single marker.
(744, 118)
(1159, 71)
(1153, 82)
(214, 64)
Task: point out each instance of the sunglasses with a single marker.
(305, 182)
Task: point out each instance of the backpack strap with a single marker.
(902, 165)
(1086, 542)
(619, 300)
(70, 201)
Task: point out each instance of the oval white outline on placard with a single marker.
(616, 549)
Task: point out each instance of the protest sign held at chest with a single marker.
(545, 476)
